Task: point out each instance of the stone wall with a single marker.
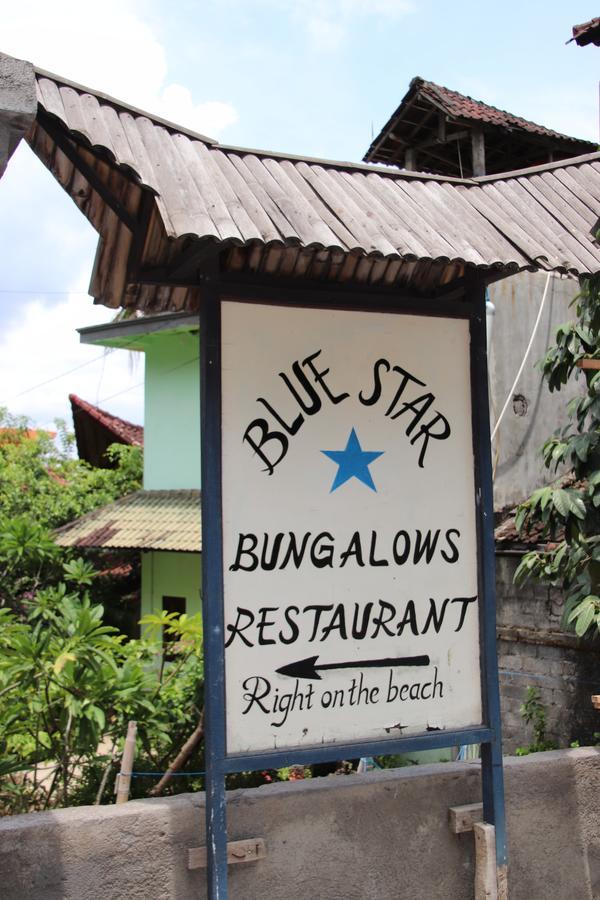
(381, 836)
(534, 650)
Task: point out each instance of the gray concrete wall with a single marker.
(381, 836)
(530, 653)
(534, 413)
(18, 104)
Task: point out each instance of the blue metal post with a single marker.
(491, 752)
(212, 591)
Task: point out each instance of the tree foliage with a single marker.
(42, 487)
(567, 513)
(68, 686)
(40, 479)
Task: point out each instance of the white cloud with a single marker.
(327, 22)
(44, 344)
(110, 48)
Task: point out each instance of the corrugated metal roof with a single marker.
(146, 520)
(283, 214)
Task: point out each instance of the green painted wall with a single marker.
(171, 575)
(172, 412)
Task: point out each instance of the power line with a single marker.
(88, 362)
(42, 384)
(45, 293)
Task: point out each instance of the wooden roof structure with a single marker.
(587, 33)
(96, 429)
(439, 130)
(169, 204)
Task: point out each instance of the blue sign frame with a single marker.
(468, 302)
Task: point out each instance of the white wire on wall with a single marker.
(524, 360)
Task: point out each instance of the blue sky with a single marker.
(302, 76)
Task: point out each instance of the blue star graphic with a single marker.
(353, 462)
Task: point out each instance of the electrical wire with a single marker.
(45, 293)
(89, 362)
(524, 360)
(42, 384)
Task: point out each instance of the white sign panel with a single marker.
(350, 570)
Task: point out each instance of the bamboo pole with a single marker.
(124, 778)
(181, 758)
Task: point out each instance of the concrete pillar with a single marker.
(18, 104)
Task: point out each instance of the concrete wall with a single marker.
(381, 836)
(534, 650)
(172, 412)
(172, 575)
(18, 104)
(534, 413)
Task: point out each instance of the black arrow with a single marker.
(307, 668)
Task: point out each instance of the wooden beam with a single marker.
(410, 159)
(436, 142)
(65, 146)
(237, 852)
(478, 152)
(520, 634)
(486, 884)
(197, 254)
(462, 818)
(588, 363)
(422, 124)
(441, 130)
(183, 270)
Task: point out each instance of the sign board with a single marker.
(351, 609)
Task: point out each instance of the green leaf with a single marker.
(560, 500)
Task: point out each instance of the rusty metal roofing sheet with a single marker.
(238, 198)
(146, 520)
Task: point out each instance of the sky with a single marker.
(314, 77)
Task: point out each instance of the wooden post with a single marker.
(485, 862)
(124, 777)
(478, 152)
(410, 159)
(490, 879)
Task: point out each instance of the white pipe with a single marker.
(490, 312)
(522, 366)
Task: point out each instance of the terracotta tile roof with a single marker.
(146, 520)
(507, 536)
(460, 106)
(96, 430)
(14, 435)
(511, 142)
(125, 432)
(587, 33)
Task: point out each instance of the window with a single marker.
(171, 605)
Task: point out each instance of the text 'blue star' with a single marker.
(353, 462)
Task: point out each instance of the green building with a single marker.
(163, 520)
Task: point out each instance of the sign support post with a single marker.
(252, 709)
(492, 776)
(212, 592)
